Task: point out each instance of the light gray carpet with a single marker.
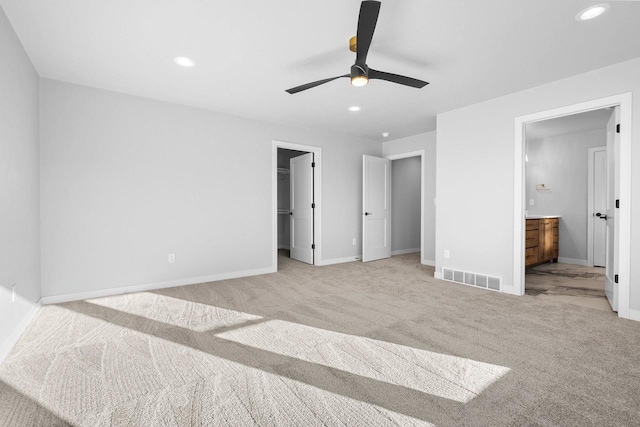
(379, 344)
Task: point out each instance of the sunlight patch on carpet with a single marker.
(213, 391)
(450, 377)
(175, 311)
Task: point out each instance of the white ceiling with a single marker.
(248, 52)
(575, 123)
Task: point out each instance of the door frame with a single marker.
(590, 176)
(317, 195)
(624, 101)
(421, 154)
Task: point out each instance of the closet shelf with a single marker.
(283, 211)
(283, 171)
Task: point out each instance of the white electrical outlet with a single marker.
(447, 254)
(13, 293)
(172, 258)
(354, 241)
(532, 202)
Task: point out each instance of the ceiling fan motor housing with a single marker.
(358, 70)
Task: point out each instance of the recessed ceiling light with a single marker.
(385, 134)
(184, 62)
(592, 12)
(354, 108)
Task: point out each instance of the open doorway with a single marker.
(406, 211)
(566, 197)
(617, 215)
(296, 201)
(393, 206)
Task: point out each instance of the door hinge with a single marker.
(313, 164)
(615, 278)
(618, 128)
(618, 203)
(313, 205)
(313, 246)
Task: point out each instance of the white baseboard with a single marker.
(6, 346)
(428, 262)
(56, 299)
(634, 315)
(437, 275)
(405, 251)
(339, 260)
(573, 261)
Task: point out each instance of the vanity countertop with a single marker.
(542, 216)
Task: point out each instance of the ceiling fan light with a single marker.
(359, 81)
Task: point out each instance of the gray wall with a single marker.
(476, 157)
(426, 142)
(19, 184)
(561, 163)
(405, 204)
(128, 180)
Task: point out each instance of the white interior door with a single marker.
(301, 213)
(376, 205)
(599, 189)
(613, 194)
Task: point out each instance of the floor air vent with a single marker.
(472, 279)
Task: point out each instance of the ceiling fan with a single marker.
(360, 72)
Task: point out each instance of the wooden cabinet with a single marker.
(541, 242)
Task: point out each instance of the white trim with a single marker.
(590, 211)
(341, 260)
(10, 342)
(575, 261)
(56, 299)
(634, 314)
(405, 251)
(624, 244)
(317, 192)
(429, 262)
(421, 154)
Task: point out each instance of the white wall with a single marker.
(19, 186)
(127, 180)
(405, 204)
(476, 168)
(561, 163)
(427, 142)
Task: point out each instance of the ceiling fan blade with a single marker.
(367, 20)
(396, 78)
(313, 84)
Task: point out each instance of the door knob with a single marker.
(601, 216)
(368, 213)
(290, 213)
